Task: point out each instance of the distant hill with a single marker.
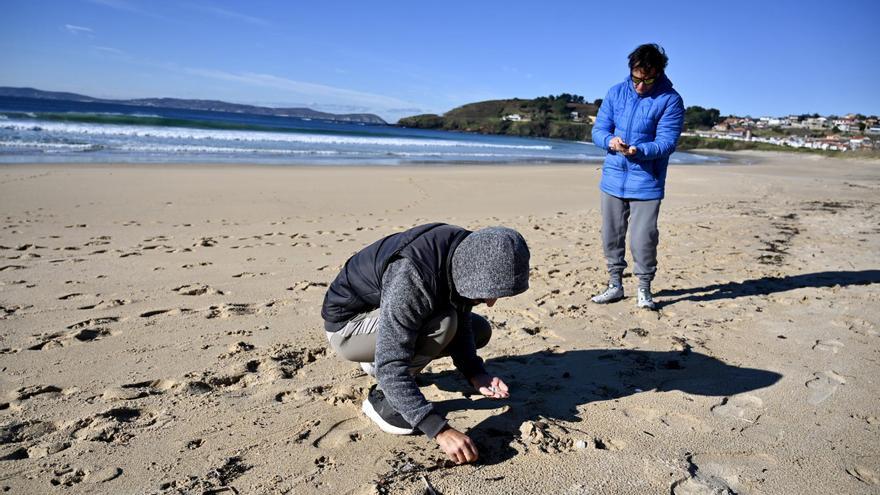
(546, 116)
(205, 105)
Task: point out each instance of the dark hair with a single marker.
(648, 56)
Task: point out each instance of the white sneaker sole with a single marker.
(601, 300)
(371, 413)
(369, 369)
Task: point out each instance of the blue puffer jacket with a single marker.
(651, 123)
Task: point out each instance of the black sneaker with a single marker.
(377, 408)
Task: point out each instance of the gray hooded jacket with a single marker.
(488, 264)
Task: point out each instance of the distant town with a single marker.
(847, 133)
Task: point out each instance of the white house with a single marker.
(816, 123)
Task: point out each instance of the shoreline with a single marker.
(410, 164)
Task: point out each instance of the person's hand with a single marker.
(490, 386)
(458, 446)
(617, 144)
(630, 151)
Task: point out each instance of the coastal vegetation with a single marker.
(564, 116)
(688, 143)
(570, 117)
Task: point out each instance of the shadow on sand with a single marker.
(768, 285)
(551, 386)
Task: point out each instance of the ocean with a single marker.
(58, 131)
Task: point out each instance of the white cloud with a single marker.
(74, 29)
(108, 49)
(320, 93)
(127, 6)
(228, 14)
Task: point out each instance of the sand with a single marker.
(160, 332)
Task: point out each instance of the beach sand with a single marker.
(160, 332)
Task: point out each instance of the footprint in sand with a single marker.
(68, 476)
(676, 420)
(701, 485)
(94, 322)
(249, 275)
(84, 331)
(340, 434)
(236, 348)
(609, 444)
(169, 312)
(26, 431)
(832, 346)
(307, 284)
(304, 430)
(112, 303)
(823, 386)
(743, 407)
(193, 265)
(206, 242)
(117, 425)
(231, 309)
(285, 397)
(278, 363)
(7, 311)
(26, 393)
(132, 391)
(196, 290)
(28, 440)
(104, 475)
(98, 241)
(864, 474)
(707, 479)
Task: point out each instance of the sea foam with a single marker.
(226, 135)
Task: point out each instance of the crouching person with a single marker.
(406, 300)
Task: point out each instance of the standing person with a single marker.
(406, 300)
(638, 125)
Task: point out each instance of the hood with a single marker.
(491, 263)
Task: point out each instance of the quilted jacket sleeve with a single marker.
(668, 131)
(603, 130)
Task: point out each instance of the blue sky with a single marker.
(402, 58)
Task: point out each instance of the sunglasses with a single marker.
(647, 82)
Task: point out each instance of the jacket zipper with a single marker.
(625, 161)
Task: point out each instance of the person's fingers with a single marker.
(470, 451)
(454, 453)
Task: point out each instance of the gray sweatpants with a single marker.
(356, 341)
(641, 217)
